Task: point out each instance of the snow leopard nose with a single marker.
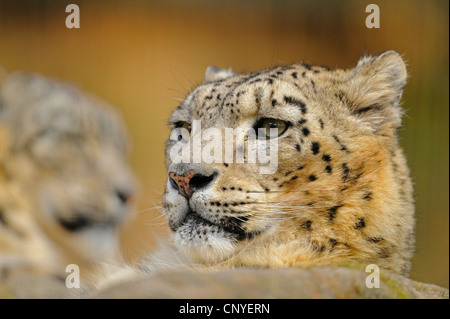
(189, 182)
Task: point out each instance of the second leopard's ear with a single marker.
(374, 89)
(213, 73)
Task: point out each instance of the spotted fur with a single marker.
(342, 190)
(64, 177)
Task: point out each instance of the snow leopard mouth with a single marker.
(197, 225)
(79, 222)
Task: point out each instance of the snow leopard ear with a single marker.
(374, 90)
(213, 73)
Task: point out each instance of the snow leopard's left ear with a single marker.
(213, 73)
(374, 90)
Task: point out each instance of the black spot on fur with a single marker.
(321, 123)
(254, 81)
(329, 169)
(346, 172)
(333, 242)
(305, 131)
(294, 75)
(366, 109)
(332, 212)
(315, 147)
(306, 65)
(326, 157)
(375, 240)
(367, 196)
(298, 147)
(361, 223)
(296, 102)
(316, 247)
(342, 146)
(307, 225)
(312, 178)
(274, 102)
(301, 122)
(300, 167)
(340, 95)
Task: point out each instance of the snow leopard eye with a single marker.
(266, 124)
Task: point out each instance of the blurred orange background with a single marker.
(141, 56)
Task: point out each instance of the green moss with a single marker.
(395, 287)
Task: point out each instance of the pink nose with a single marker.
(182, 182)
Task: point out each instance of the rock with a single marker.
(313, 282)
(324, 282)
(27, 286)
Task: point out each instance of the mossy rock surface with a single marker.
(287, 283)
